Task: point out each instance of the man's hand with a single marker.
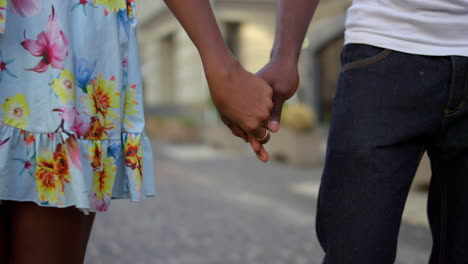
(281, 73)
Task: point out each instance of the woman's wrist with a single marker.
(221, 67)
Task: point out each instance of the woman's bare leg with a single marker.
(4, 236)
(45, 235)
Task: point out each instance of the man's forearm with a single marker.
(292, 22)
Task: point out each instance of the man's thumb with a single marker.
(275, 117)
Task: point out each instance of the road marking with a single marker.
(193, 152)
(310, 189)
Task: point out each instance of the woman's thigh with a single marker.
(48, 235)
(4, 236)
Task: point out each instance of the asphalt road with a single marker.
(214, 208)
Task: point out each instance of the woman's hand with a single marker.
(282, 74)
(244, 102)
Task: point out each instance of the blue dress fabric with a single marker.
(71, 104)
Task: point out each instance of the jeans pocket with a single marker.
(360, 55)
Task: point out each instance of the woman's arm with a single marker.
(197, 18)
(281, 73)
(243, 100)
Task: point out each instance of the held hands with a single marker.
(244, 102)
(250, 105)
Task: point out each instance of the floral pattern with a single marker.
(3, 7)
(52, 173)
(15, 111)
(71, 115)
(111, 6)
(4, 66)
(51, 45)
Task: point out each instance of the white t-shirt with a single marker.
(425, 27)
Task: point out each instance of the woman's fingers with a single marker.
(256, 144)
(259, 149)
(236, 130)
(262, 135)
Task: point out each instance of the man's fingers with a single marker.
(275, 118)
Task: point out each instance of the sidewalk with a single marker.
(214, 207)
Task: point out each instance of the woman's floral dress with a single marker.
(71, 113)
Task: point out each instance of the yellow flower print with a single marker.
(64, 86)
(111, 6)
(95, 154)
(61, 167)
(130, 105)
(45, 178)
(104, 178)
(97, 130)
(133, 158)
(51, 174)
(133, 151)
(102, 96)
(3, 5)
(15, 111)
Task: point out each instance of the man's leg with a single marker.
(448, 195)
(387, 105)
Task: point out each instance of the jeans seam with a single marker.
(449, 112)
(460, 106)
(451, 87)
(443, 220)
(366, 62)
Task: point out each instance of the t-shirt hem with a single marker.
(405, 46)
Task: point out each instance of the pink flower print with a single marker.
(26, 8)
(51, 45)
(73, 150)
(98, 205)
(51, 136)
(3, 142)
(73, 118)
(27, 164)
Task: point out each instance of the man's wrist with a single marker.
(285, 55)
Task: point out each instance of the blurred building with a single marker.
(172, 68)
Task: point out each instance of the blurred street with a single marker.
(217, 208)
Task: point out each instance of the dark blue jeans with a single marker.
(389, 108)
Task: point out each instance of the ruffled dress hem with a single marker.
(60, 170)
